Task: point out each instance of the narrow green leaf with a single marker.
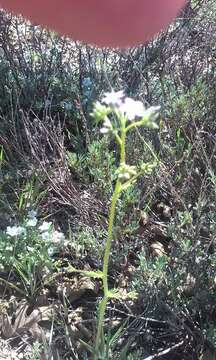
(87, 346)
(92, 274)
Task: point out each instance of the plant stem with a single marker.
(115, 196)
(123, 141)
(103, 303)
(110, 236)
(100, 334)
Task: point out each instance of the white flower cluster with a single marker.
(32, 219)
(47, 233)
(132, 109)
(113, 99)
(45, 226)
(55, 238)
(15, 230)
(129, 108)
(125, 108)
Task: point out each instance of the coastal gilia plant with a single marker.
(119, 115)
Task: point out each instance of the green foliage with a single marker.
(87, 241)
(100, 164)
(151, 272)
(211, 335)
(36, 352)
(27, 248)
(126, 218)
(192, 104)
(97, 164)
(30, 194)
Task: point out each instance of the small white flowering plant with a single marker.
(30, 244)
(119, 115)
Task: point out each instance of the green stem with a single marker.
(115, 197)
(123, 141)
(110, 236)
(100, 335)
(134, 125)
(103, 303)
(118, 139)
(116, 194)
(148, 146)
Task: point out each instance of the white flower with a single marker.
(104, 131)
(32, 214)
(113, 98)
(45, 236)
(132, 109)
(45, 226)
(15, 230)
(58, 241)
(57, 237)
(51, 251)
(30, 249)
(32, 222)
